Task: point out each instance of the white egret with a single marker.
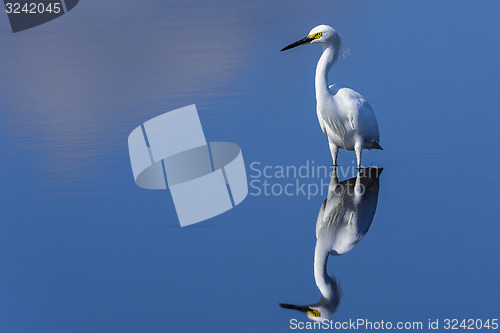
(344, 115)
(343, 220)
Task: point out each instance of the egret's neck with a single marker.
(326, 61)
(325, 284)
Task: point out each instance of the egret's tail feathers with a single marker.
(376, 145)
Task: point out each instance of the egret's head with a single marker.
(326, 306)
(322, 34)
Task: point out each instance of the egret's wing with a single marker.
(358, 112)
(345, 97)
(367, 125)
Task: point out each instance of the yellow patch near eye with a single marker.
(315, 36)
(314, 313)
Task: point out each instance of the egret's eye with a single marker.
(314, 313)
(315, 36)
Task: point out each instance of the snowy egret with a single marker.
(344, 115)
(343, 220)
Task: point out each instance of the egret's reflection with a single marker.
(343, 220)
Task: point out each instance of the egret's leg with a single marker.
(334, 183)
(359, 189)
(359, 149)
(334, 149)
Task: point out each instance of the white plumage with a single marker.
(344, 115)
(343, 220)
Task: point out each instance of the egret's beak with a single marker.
(297, 43)
(301, 308)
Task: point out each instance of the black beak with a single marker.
(297, 43)
(301, 308)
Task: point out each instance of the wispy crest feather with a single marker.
(344, 51)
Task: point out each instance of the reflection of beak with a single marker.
(301, 308)
(297, 43)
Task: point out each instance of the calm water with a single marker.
(83, 249)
